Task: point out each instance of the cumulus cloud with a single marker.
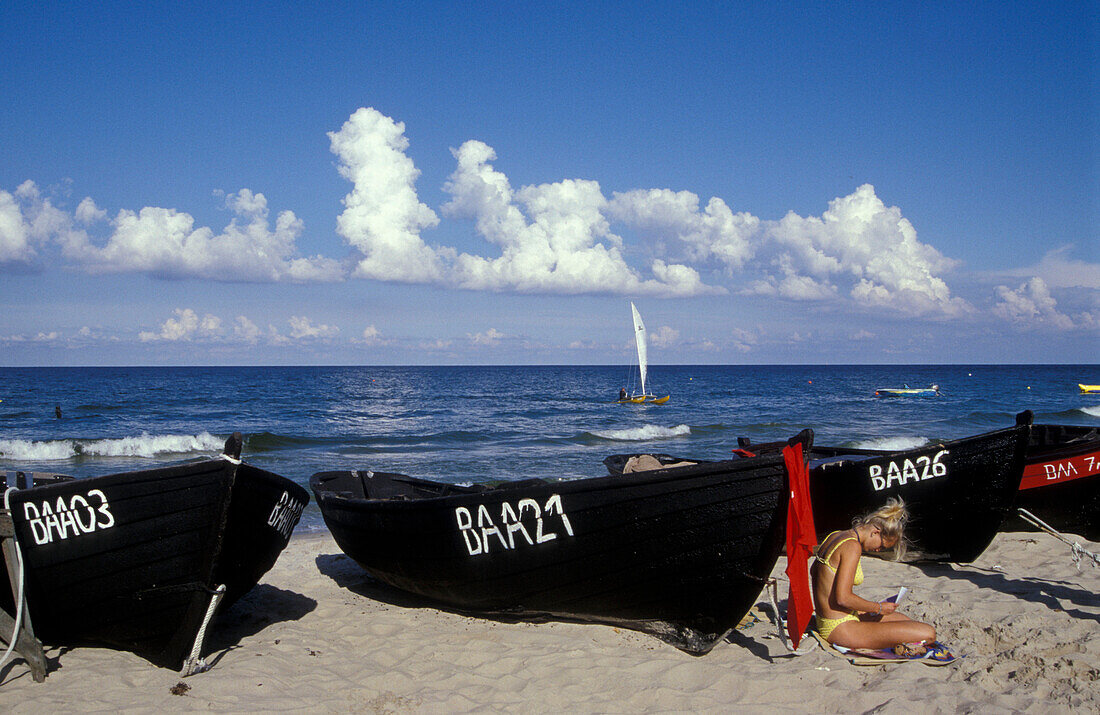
(162, 242)
(553, 238)
(664, 336)
(302, 328)
(743, 341)
(559, 237)
(1031, 305)
(15, 243)
(490, 337)
(1058, 270)
(29, 221)
(246, 330)
(187, 325)
(713, 233)
(165, 243)
(371, 336)
(382, 215)
(862, 247)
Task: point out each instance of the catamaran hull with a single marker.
(130, 560)
(678, 553)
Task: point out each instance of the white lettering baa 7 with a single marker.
(82, 514)
(924, 467)
(480, 537)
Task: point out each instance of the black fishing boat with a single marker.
(958, 492)
(680, 553)
(136, 560)
(1061, 483)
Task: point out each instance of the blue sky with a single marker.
(433, 183)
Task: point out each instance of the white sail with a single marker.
(639, 336)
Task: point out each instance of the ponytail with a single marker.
(890, 520)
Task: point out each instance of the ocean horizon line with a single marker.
(551, 365)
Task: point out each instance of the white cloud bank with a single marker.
(162, 242)
(560, 238)
(1032, 306)
(188, 326)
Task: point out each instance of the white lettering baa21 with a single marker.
(924, 467)
(478, 537)
(285, 515)
(83, 514)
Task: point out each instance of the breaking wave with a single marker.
(1093, 411)
(145, 445)
(893, 444)
(643, 433)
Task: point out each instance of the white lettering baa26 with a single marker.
(83, 514)
(478, 537)
(924, 467)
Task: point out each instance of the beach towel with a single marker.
(937, 654)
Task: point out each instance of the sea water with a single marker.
(471, 424)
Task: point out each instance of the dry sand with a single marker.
(318, 635)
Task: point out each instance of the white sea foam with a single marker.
(892, 444)
(643, 433)
(1093, 411)
(145, 445)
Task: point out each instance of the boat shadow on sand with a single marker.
(348, 574)
(1055, 594)
(260, 608)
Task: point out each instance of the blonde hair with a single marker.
(890, 520)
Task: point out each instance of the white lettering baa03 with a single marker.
(478, 537)
(285, 514)
(924, 467)
(81, 515)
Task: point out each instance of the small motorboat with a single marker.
(139, 560)
(1061, 482)
(907, 391)
(958, 492)
(681, 553)
(1089, 389)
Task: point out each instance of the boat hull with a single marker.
(1061, 482)
(130, 560)
(679, 553)
(958, 493)
(905, 392)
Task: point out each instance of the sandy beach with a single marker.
(317, 634)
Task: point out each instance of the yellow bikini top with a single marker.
(858, 579)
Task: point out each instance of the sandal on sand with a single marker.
(910, 650)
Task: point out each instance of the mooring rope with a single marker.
(194, 664)
(19, 577)
(1076, 549)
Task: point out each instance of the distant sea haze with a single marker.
(470, 424)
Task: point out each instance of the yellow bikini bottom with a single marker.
(825, 626)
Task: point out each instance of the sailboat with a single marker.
(643, 365)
